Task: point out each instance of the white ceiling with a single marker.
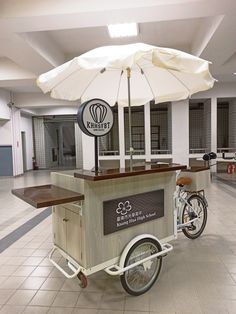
(173, 34)
(37, 36)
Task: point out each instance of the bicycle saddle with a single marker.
(183, 181)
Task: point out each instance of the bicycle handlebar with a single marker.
(209, 156)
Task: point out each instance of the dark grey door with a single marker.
(6, 165)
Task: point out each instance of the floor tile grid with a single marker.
(210, 259)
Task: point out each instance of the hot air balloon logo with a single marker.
(98, 112)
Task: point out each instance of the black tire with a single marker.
(154, 247)
(196, 228)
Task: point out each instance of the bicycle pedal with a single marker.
(192, 228)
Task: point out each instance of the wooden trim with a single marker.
(46, 195)
(196, 169)
(127, 172)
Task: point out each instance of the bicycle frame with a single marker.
(181, 197)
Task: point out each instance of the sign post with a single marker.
(95, 118)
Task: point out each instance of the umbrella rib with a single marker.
(179, 81)
(146, 80)
(55, 86)
(118, 91)
(85, 89)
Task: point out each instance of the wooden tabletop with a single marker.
(126, 172)
(46, 195)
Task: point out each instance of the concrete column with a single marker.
(180, 132)
(88, 152)
(61, 156)
(121, 128)
(214, 124)
(207, 124)
(78, 147)
(16, 142)
(213, 128)
(147, 131)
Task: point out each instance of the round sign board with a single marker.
(95, 117)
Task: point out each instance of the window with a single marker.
(109, 144)
(160, 128)
(137, 130)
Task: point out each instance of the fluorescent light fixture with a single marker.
(234, 73)
(123, 30)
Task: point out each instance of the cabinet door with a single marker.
(59, 226)
(73, 235)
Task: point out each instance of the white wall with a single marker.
(5, 132)
(26, 126)
(39, 100)
(5, 115)
(4, 109)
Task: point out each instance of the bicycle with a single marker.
(191, 209)
(191, 206)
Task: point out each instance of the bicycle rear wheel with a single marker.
(197, 209)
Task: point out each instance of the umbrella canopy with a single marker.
(159, 74)
(128, 75)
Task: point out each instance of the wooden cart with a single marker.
(118, 220)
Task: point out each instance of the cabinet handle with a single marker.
(65, 219)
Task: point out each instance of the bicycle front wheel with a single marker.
(140, 279)
(195, 209)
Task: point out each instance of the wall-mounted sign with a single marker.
(95, 117)
(125, 212)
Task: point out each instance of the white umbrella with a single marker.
(154, 73)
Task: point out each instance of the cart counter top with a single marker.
(47, 195)
(126, 172)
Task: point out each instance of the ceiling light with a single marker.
(123, 30)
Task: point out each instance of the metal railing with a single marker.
(160, 151)
(198, 150)
(136, 152)
(226, 150)
(108, 153)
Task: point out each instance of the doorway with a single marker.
(60, 142)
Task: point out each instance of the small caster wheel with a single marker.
(83, 280)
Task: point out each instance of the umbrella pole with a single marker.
(130, 122)
(96, 153)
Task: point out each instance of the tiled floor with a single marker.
(197, 277)
(13, 211)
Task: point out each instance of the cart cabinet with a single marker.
(67, 231)
(114, 220)
(86, 238)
